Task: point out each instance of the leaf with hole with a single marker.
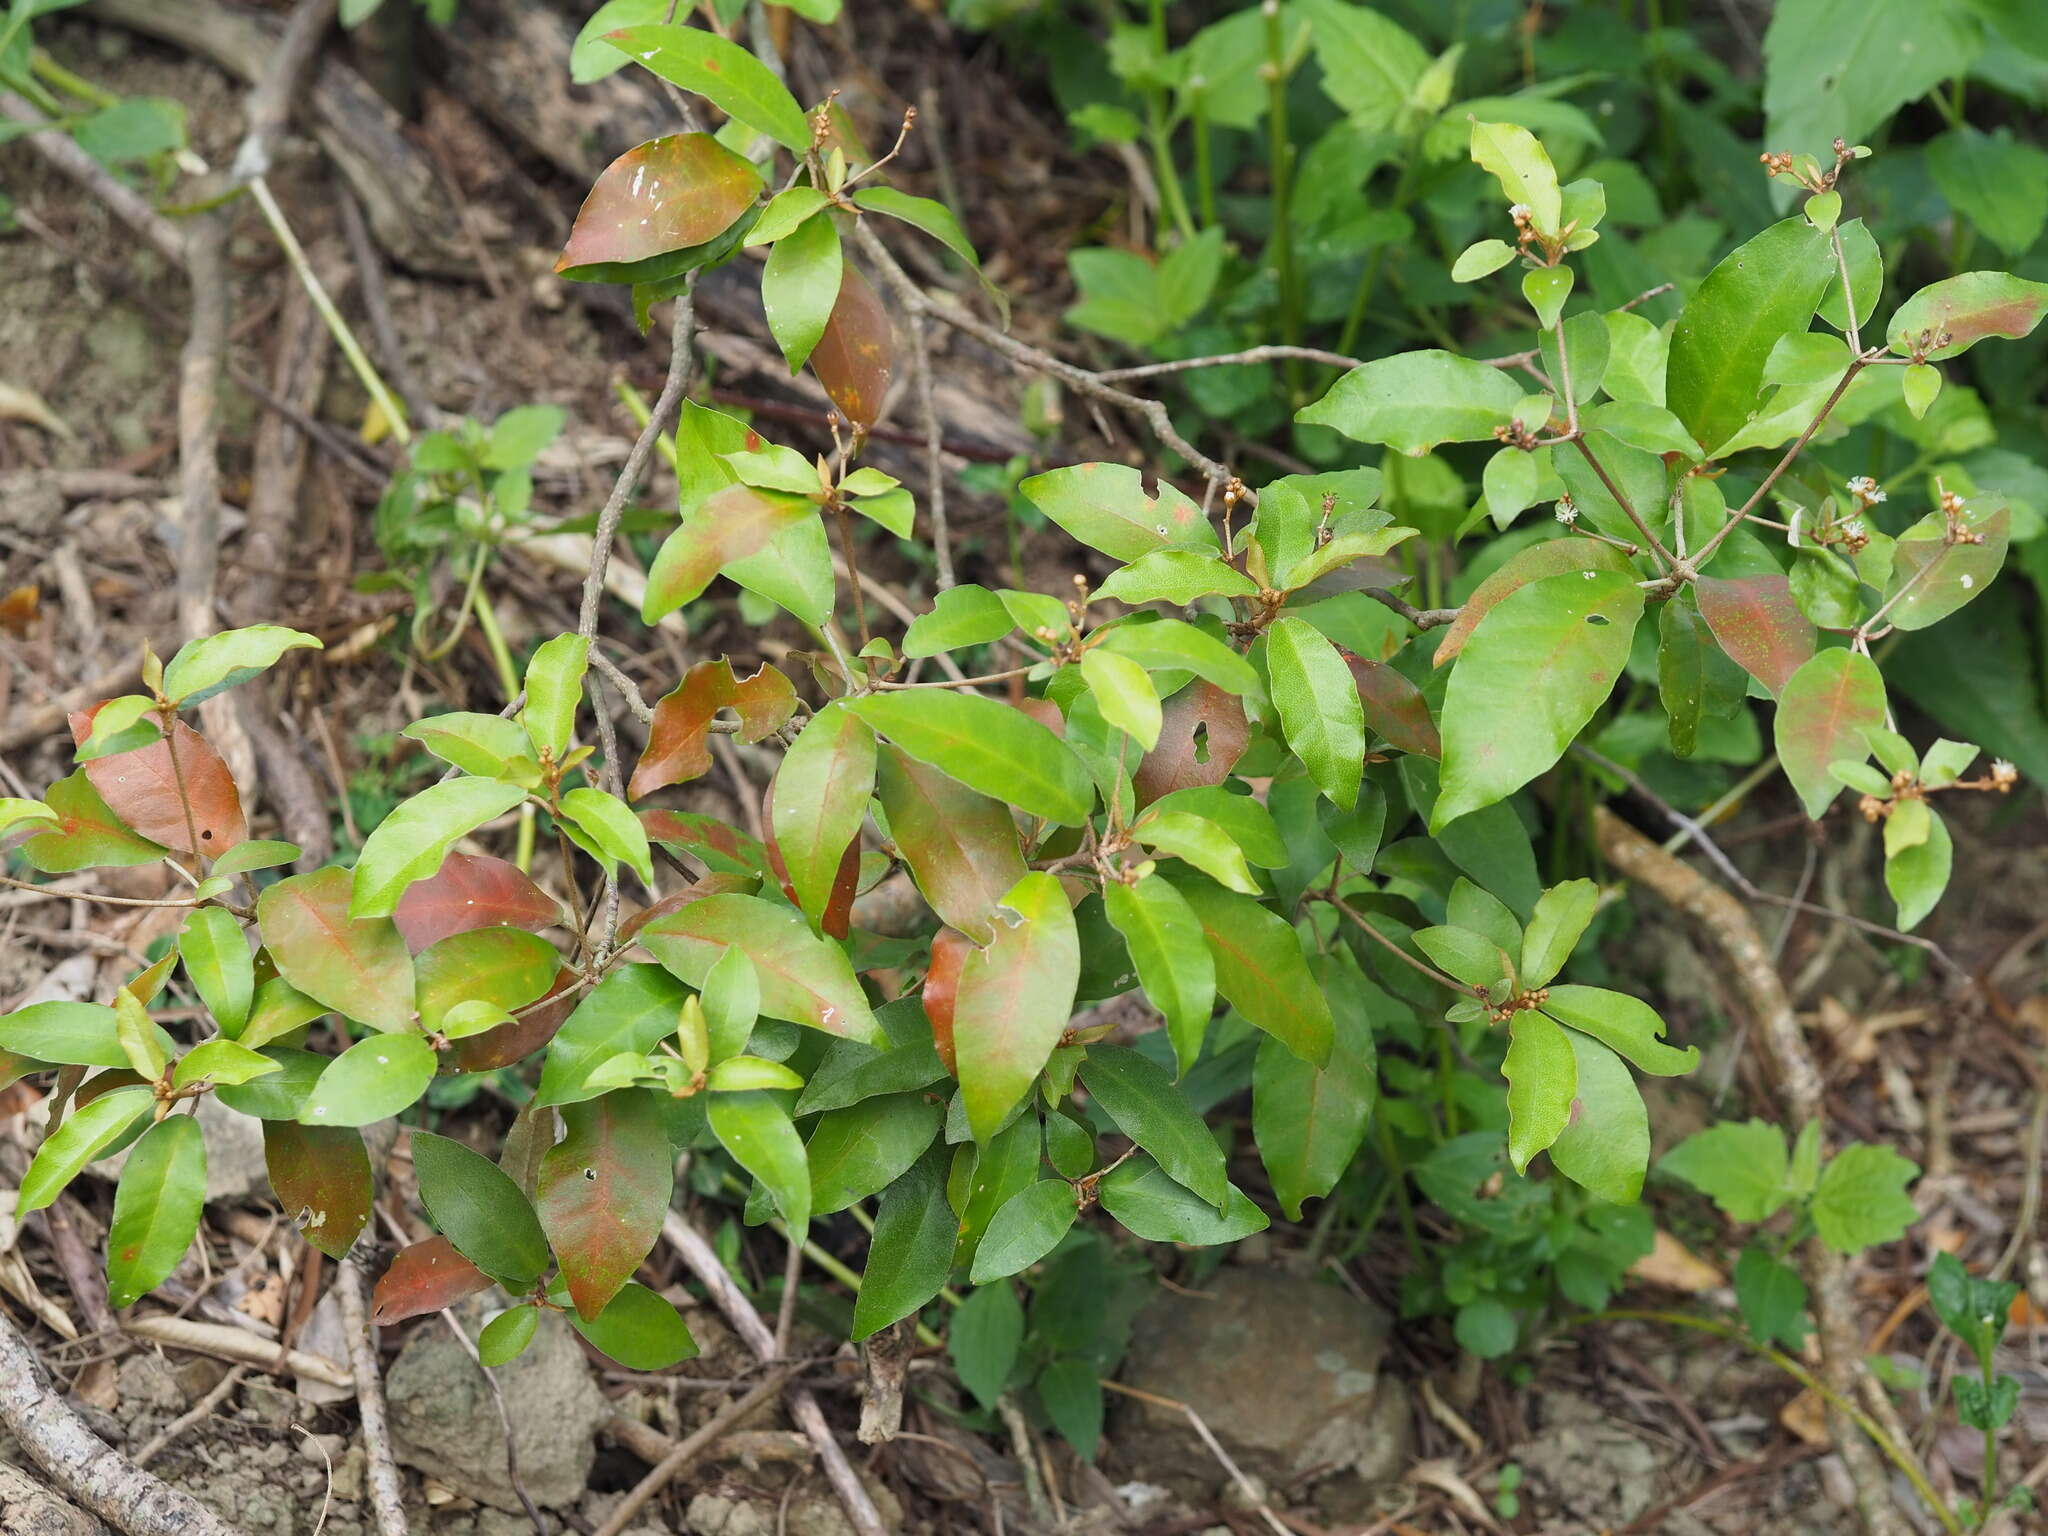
(602, 1193)
(1014, 999)
(321, 1176)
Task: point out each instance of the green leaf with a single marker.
(119, 725)
(278, 1095)
(1124, 693)
(860, 1151)
(987, 1331)
(602, 1192)
(1486, 1327)
(358, 966)
(936, 220)
(1152, 1206)
(370, 1081)
(1371, 66)
(157, 1206)
(1741, 1166)
(1932, 578)
(1562, 915)
(1480, 259)
(86, 1132)
(1866, 277)
(505, 1337)
(1543, 1079)
(1511, 481)
(1607, 1146)
(88, 835)
(1013, 1000)
(1822, 714)
(481, 1210)
(961, 616)
(1260, 970)
(1309, 1122)
(961, 846)
(1172, 957)
(1415, 400)
(803, 978)
(138, 1037)
(724, 74)
(1250, 824)
(1164, 645)
(755, 1128)
(739, 1074)
(214, 663)
(1772, 1298)
(630, 1011)
(1996, 183)
(611, 827)
(800, 286)
(1987, 1408)
(1141, 1101)
(1759, 292)
(591, 58)
(1917, 876)
(489, 746)
(554, 687)
(502, 967)
(1646, 426)
(412, 841)
(1550, 557)
(1106, 507)
(1176, 576)
(986, 745)
(1523, 170)
(72, 1034)
(222, 1061)
(1319, 707)
(1469, 957)
(1947, 318)
(1500, 727)
(1546, 289)
(785, 211)
(1861, 1199)
(912, 1251)
(1626, 1024)
(1029, 1225)
(639, 1330)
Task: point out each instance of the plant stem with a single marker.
(1172, 198)
(508, 680)
(72, 85)
(1205, 168)
(1397, 1174)
(1281, 159)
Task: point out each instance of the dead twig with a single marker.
(690, 1448)
(386, 1498)
(197, 1412)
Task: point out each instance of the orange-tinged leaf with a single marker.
(1550, 558)
(804, 979)
(1202, 734)
(1826, 707)
(722, 849)
(472, 890)
(1759, 624)
(529, 1030)
(665, 195)
(87, 835)
(961, 846)
(141, 787)
(728, 525)
(950, 949)
(855, 356)
(603, 1191)
(678, 738)
(321, 1174)
(359, 967)
(1394, 707)
(425, 1277)
(1014, 1000)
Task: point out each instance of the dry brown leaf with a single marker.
(1807, 1418)
(1675, 1267)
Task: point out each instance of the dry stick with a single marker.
(690, 1447)
(1800, 1096)
(386, 1498)
(934, 442)
(803, 1405)
(194, 1415)
(85, 1468)
(1244, 1484)
(1265, 354)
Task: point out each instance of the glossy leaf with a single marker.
(855, 354)
(1917, 876)
(221, 1061)
(1171, 953)
(1947, 318)
(1759, 624)
(505, 1337)
(1171, 645)
(628, 1012)
(859, 1151)
(503, 967)
(468, 892)
(669, 194)
(1527, 682)
(1260, 970)
(912, 1251)
(1199, 842)
(1413, 401)
(1141, 1100)
(1606, 1147)
(986, 745)
(800, 286)
(936, 220)
(1543, 1079)
(603, 1191)
(611, 829)
(728, 526)
(1764, 289)
(1561, 918)
(321, 1175)
(489, 746)
(156, 1208)
(217, 960)
(86, 1133)
(1309, 1122)
(818, 801)
(1125, 695)
(74, 1034)
(1822, 713)
(143, 788)
(411, 842)
(1152, 1206)
(961, 846)
(357, 966)
(480, 1210)
(1028, 1226)
(1176, 576)
(87, 833)
(756, 1130)
(425, 1277)
(1552, 557)
(987, 1330)
(1014, 999)
(639, 1330)
(1623, 1023)
(1932, 578)
(678, 746)
(212, 663)
(804, 979)
(1518, 162)
(723, 73)
(1319, 706)
(370, 1081)
(1107, 507)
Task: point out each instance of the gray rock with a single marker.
(732, 1510)
(445, 1421)
(1285, 1372)
(27, 1508)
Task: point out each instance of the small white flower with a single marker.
(1853, 527)
(1519, 211)
(1567, 511)
(1865, 490)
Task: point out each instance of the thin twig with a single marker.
(533, 1514)
(386, 1492)
(690, 1448)
(1265, 354)
(198, 1411)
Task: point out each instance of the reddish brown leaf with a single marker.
(837, 918)
(961, 846)
(1550, 558)
(472, 890)
(1395, 708)
(603, 1192)
(678, 744)
(727, 525)
(710, 885)
(855, 356)
(141, 787)
(359, 967)
(510, 1043)
(1759, 625)
(321, 1174)
(950, 949)
(665, 195)
(1202, 734)
(425, 1277)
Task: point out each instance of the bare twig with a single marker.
(195, 1414)
(690, 1448)
(533, 1514)
(704, 1262)
(1267, 354)
(386, 1496)
(934, 444)
(85, 1468)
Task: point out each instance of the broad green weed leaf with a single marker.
(1861, 1199)
(156, 1208)
(1742, 1166)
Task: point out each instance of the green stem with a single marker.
(1397, 1172)
(1171, 196)
(508, 680)
(1361, 297)
(642, 413)
(1280, 150)
(1205, 169)
(72, 85)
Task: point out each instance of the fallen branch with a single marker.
(689, 1448)
(233, 1344)
(1800, 1099)
(385, 1498)
(84, 1467)
(803, 1405)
